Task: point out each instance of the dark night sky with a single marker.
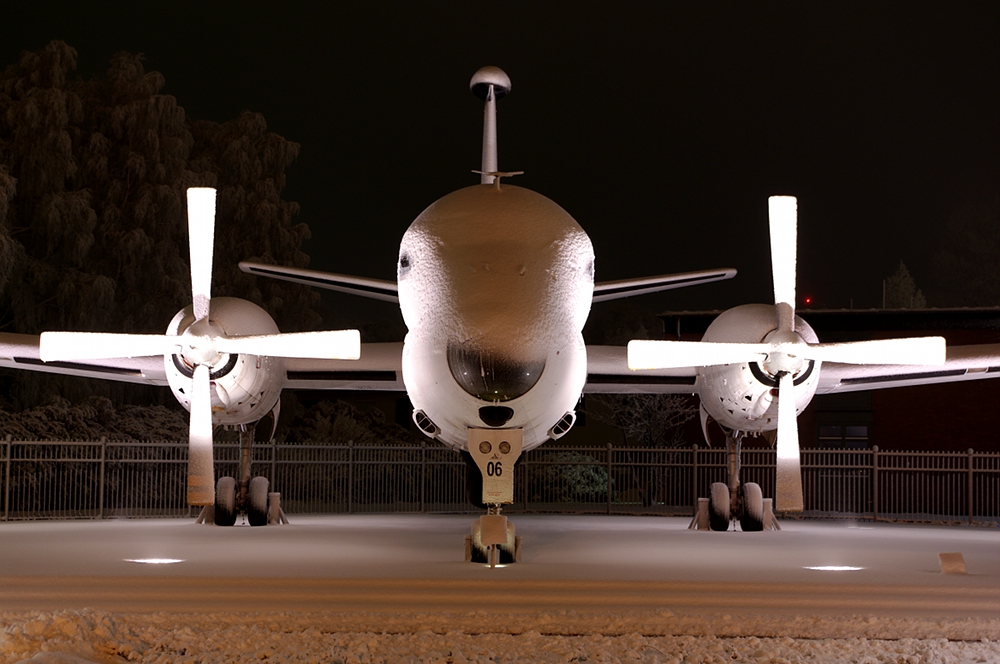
(661, 127)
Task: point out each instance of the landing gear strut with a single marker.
(733, 501)
(492, 453)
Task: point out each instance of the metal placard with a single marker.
(495, 451)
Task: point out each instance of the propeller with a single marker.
(203, 345)
(783, 353)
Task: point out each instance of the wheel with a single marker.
(225, 501)
(506, 553)
(257, 502)
(752, 519)
(718, 507)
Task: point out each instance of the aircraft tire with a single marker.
(752, 519)
(718, 507)
(257, 505)
(225, 501)
(481, 553)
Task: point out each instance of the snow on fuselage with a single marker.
(495, 286)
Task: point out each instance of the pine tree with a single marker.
(901, 291)
(93, 233)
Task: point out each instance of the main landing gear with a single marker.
(490, 484)
(244, 495)
(729, 502)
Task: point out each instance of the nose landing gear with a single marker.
(493, 453)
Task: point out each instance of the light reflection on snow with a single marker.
(835, 568)
(154, 561)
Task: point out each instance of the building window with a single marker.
(844, 436)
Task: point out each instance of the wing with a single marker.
(377, 289)
(20, 351)
(613, 290)
(963, 363)
(379, 368)
(608, 373)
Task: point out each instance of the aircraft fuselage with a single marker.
(495, 285)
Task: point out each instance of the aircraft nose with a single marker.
(490, 375)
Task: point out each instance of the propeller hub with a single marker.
(785, 354)
(198, 344)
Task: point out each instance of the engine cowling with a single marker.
(743, 396)
(244, 387)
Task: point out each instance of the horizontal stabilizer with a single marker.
(377, 289)
(613, 290)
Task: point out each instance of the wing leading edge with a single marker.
(20, 351)
(973, 362)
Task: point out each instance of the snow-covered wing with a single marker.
(608, 373)
(613, 290)
(20, 351)
(964, 363)
(377, 289)
(379, 368)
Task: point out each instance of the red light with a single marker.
(809, 301)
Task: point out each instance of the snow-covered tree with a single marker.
(901, 291)
(93, 234)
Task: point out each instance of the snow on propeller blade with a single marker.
(203, 345)
(783, 353)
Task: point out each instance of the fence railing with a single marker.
(104, 479)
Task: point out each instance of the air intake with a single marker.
(563, 426)
(425, 424)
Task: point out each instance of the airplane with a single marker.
(495, 283)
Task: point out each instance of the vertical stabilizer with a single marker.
(489, 84)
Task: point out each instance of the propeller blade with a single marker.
(69, 346)
(788, 496)
(201, 471)
(331, 345)
(643, 354)
(919, 350)
(201, 238)
(782, 211)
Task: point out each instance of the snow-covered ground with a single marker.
(395, 588)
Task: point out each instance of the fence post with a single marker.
(274, 464)
(423, 472)
(609, 477)
(6, 483)
(972, 499)
(350, 476)
(874, 482)
(694, 476)
(104, 456)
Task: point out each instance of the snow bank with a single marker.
(84, 636)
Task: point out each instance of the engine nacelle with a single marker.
(244, 387)
(743, 396)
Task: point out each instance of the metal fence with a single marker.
(61, 480)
